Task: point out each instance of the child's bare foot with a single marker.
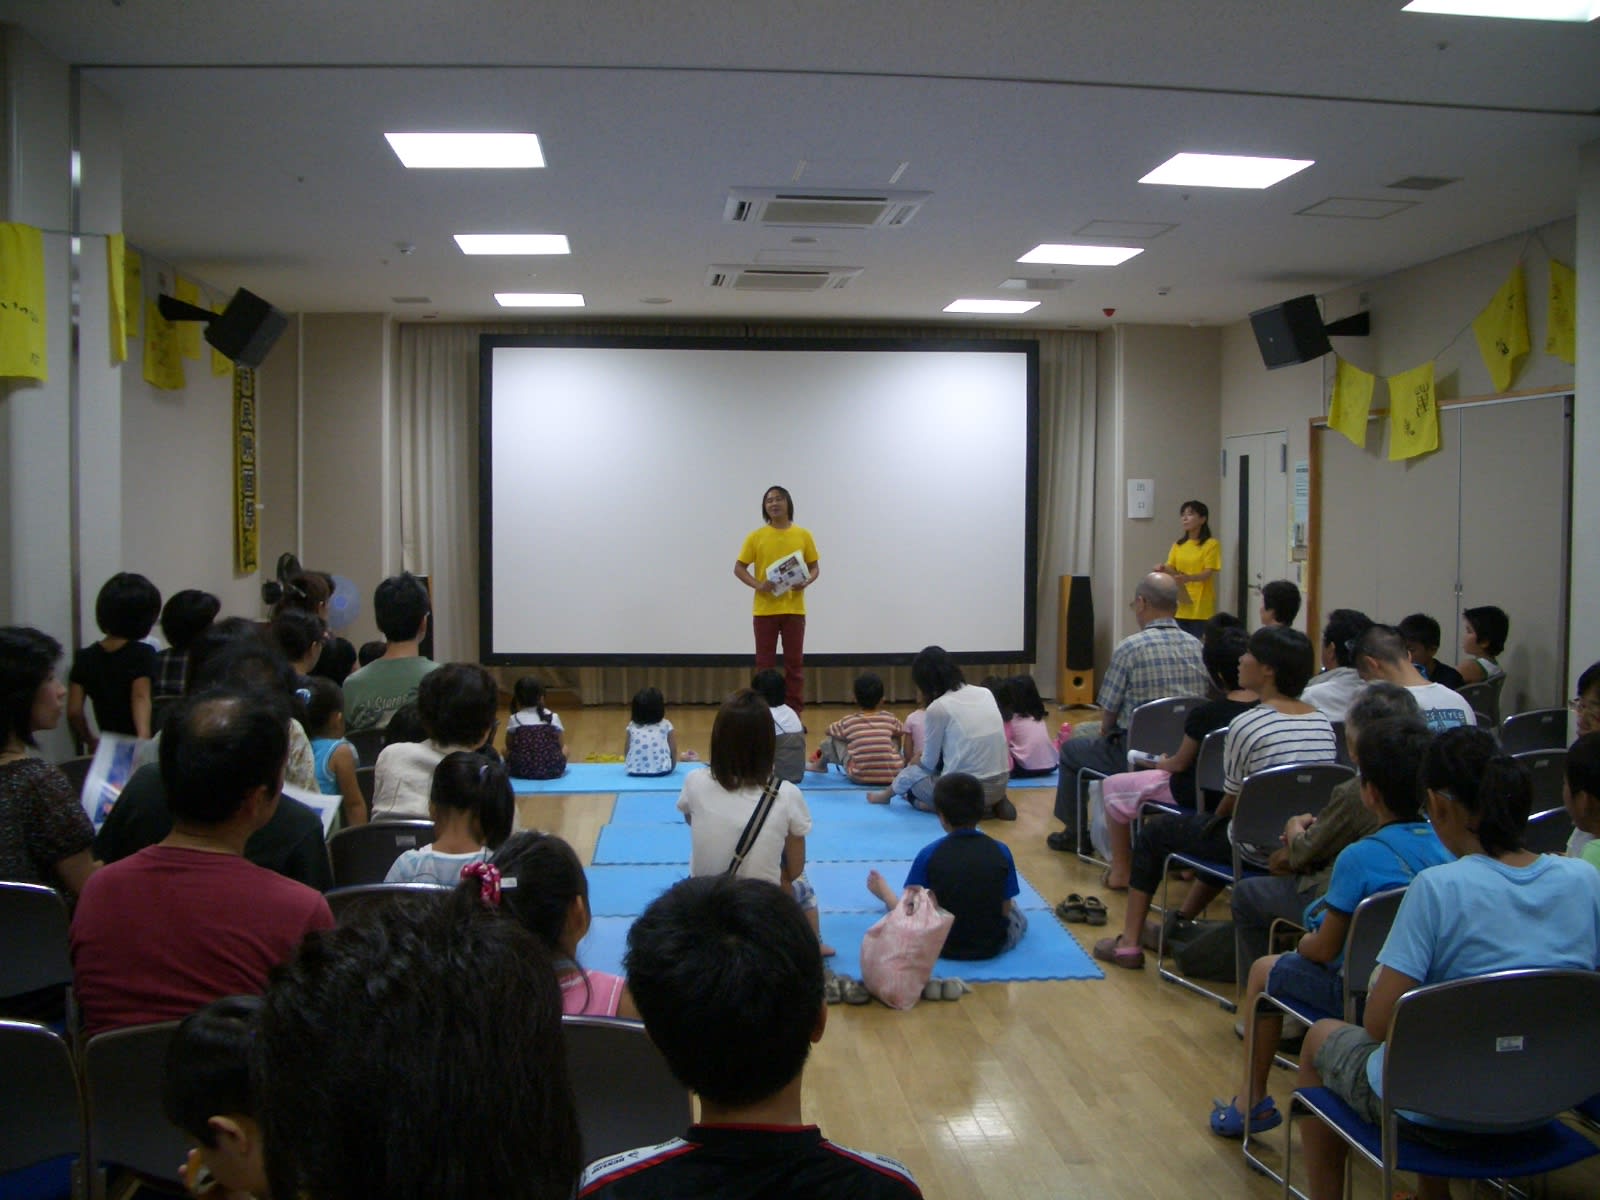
(880, 797)
(817, 765)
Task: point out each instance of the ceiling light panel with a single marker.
(467, 151)
(1521, 10)
(1225, 171)
(993, 307)
(1069, 255)
(539, 299)
(513, 243)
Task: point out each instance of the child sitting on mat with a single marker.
(789, 758)
(471, 805)
(869, 745)
(973, 876)
(651, 747)
(1033, 751)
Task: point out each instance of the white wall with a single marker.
(1583, 637)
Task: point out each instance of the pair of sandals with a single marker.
(1082, 910)
(1227, 1121)
(841, 989)
(944, 989)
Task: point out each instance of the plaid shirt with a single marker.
(172, 671)
(1160, 660)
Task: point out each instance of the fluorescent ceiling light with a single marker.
(1527, 10)
(513, 243)
(1067, 255)
(467, 151)
(1225, 171)
(539, 299)
(1008, 307)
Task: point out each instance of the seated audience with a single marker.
(405, 726)
(1498, 907)
(973, 876)
(415, 1054)
(298, 636)
(789, 754)
(1391, 856)
(1582, 793)
(650, 746)
(371, 695)
(963, 732)
(183, 922)
(1421, 634)
(1280, 602)
(1483, 640)
(1381, 654)
(1331, 692)
(115, 673)
(729, 983)
(1034, 751)
(206, 1092)
(1586, 704)
(370, 652)
(472, 809)
(186, 615)
(540, 882)
(459, 704)
(869, 744)
(310, 592)
(335, 758)
(535, 739)
(1280, 731)
(1159, 660)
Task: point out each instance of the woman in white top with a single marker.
(964, 732)
(459, 704)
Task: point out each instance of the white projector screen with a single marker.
(618, 478)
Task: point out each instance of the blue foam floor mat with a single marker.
(828, 841)
(587, 778)
(826, 807)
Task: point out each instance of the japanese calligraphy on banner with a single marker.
(23, 353)
(1413, 413)
(1352, 400)
(1561, 339)
(116, 297)
(246, 532)
(188, 331)
(1502, 330)
(163, 362)
(133, 290)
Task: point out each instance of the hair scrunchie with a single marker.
(488, 877)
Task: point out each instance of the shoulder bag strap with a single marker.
(752, 827)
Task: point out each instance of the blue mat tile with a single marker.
(1047, 951)
(626, 891)
(829, 841)
(584, 778)
(842, 886)
(604, 945)
(835, 780)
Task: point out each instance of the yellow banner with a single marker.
(133, 290)
(188, 331)
(221, 364)
(23, 353)
(1352, 400)
(1502, 330)
(1561, 339)
(245, 532)
(1413, 413)
(163, 362)
(117, 298)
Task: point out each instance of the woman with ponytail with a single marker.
(1498, 907)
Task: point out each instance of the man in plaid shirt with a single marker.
(1160, 660)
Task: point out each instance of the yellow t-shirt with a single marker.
(1198, 600)
(766, 546)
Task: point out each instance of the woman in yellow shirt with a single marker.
(1195, 560)
(779, 614)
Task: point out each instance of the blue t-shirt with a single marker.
(321, 750)
(973, 876)
(1390, 857)
(1476, 915)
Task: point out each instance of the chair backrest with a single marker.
(1341, 747)
(626, 1095)
(41, 1110)
(1548, 770)
(1209, 775)
(1541, 729)
(1156, 726)
(365, 853)
(33, 939)
(1548, 831)
(122, 1072)
(1519, 1047)
(367, 781)
(368, 744)
(348, 903)
(76, 770)
(1269, 798)
(1484, 697)
(1369, 929)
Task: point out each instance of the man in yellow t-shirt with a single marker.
(779, 616)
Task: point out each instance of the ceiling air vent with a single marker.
(781, 279)
(789, 208)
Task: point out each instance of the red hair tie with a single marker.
(488, 877)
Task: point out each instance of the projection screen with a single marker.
(618, 478)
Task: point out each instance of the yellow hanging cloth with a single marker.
(221, 364)
(188, 331)
(1561, 339)
(23, 352)
(163, 360)
(1413, 413)
(1352, 400)
(1502, 330)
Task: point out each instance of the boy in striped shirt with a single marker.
(868, 745)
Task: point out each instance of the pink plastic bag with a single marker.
(898, 953)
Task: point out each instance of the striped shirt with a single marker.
(1160, 660)
(1264, 737)
(872, 745)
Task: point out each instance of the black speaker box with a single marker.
(1080, 625)
(246, 329)
(1290, 332)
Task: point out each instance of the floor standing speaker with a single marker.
(1075, 642)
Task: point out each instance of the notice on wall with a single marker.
(1300, 532)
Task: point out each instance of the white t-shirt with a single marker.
(1331, 692)
(427, 865)
(530, 716)
(786, 720)
(1442, 708)
(964, 729)
(403, 779)
(717, 817)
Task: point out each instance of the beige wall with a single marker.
(278, 483)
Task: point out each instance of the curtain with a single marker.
(436, 399)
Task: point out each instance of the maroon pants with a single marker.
(792, 628)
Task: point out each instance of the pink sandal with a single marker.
(1113, 951)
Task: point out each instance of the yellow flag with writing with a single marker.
(1502, 330)
(133, 290)
(163, 359)
(1352, 400)
(1561, 339)
(23, 354)
(1413, 413)
(221, 364)
(188, 331)
(116, 297)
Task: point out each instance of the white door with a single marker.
(1254, 521)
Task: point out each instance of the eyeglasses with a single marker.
(1579, 704)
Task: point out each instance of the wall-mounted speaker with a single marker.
(1074, 641)
(1290, 332)
(246, 329)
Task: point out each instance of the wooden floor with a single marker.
(1045, 1089)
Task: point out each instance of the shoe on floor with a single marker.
(853, 991)
(1112, 951)
(1094, 911)
(1004, 810)
(1227, 1121)
(1072, 910)
(1064, 840)
(833, 990)
(953, 989)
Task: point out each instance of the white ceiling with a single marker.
(253, 149)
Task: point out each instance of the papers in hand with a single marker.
(115, 760)
(786, 572)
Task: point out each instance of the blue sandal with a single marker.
(1228, 1122)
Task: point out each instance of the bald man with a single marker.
(1160, 660)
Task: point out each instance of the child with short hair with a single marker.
(1581, 792)
(543, 886)
(114, 673)
(535, 740)
(973, 876)
(1033, 751)
(789, 754)
(370, 652)
(184, 617)
(472, 806)
(651, 747)
(336, 759)
(206, 1092)
(869, 745)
